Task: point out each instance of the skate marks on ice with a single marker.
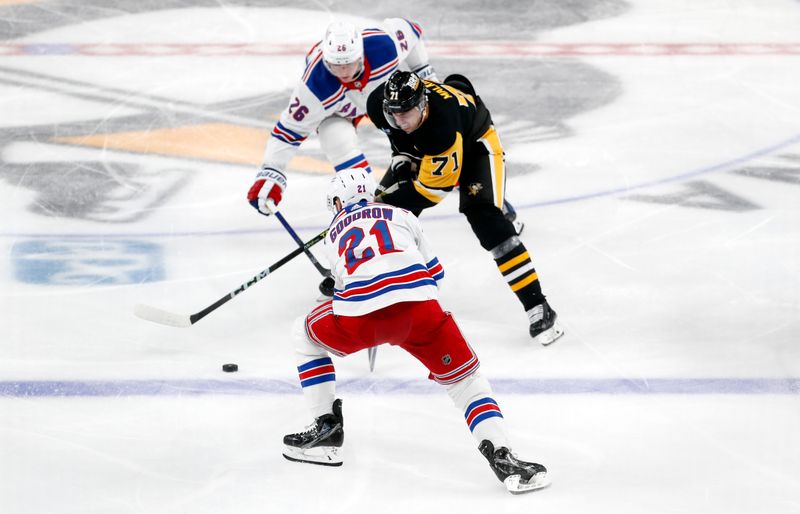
(69, 165)
(536, 110)
(441, 20)
(775, 167)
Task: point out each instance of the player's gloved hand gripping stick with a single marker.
(265, 195)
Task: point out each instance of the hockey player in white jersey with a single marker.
(341, 71)
(386, 292)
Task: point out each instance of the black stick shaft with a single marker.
(322, 269)
(194, 318)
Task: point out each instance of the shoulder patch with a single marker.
(379, 48)
(321, 82)
(414, 27)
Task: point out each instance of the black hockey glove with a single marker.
(403, 167)
(401, 173)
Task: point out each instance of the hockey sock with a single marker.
(515, 264)
(473, 396)
(316, 372)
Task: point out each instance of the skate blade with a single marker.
(322, 455)
(515, 486)
(550, 335)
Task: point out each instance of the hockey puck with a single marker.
(230, 368)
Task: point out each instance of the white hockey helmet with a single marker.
(351, 186)
(342, 44)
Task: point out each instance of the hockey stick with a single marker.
(325, 272)
(181, 320)
(326, 286)
(372, 352)
(388, 190)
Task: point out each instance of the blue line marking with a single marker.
(548, 386)
(676, 178)
(609, 192)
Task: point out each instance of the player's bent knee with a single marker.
(338, 139)
(489, 225)
(303, 346)
(473, 386)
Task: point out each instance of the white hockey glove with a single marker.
(426, 73)
(267, 191)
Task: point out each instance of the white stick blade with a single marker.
(161, 317)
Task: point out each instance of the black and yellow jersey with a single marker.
(444, 143)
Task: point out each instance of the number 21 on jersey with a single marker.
(353, 239)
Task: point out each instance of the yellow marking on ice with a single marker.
(220, 142)
(16, 2)
(211, 141)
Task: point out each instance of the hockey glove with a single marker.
(403, 167)
(267, 191)
(401, 173)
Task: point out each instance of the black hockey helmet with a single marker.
(461, 83)
(402, 92)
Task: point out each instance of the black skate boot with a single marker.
(321, 443)
(544, 324)
(518, 476)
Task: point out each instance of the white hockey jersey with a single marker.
(379, 257)
(319, 94)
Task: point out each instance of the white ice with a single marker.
(656, 296)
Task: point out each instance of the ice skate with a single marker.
(544, 328)
(321, 443)
(518, 476)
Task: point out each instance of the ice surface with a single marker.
(660, 195)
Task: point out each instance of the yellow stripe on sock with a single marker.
(524, 282)
(513, 262)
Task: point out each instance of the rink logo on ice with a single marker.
(83, 262)
(703, 194)
(700, 194)
(781, 168)
(95, 190)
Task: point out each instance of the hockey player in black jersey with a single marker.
(442, 136)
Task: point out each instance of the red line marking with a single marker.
(471, 49)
